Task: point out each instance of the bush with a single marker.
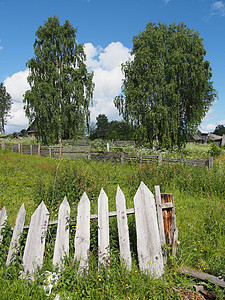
(215, 150)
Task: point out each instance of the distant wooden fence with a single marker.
(154, 229)
(84, 151)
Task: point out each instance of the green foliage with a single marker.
(167, 88)
(5, 106)
(215, 150)
(61, 88)
(220, 130)
(200, 208)
(114, 130)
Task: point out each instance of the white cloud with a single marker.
(106, 64)
(16, 85)
(218, 8)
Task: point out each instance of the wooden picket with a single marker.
(62, 235)
(3, 220)
(149, 237)
(14, 244)
(82, 236)
(35, 243)
(123, 231)
(103, 229)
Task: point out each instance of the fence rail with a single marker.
(84, 151)
(151, 237)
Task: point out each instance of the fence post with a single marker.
(19, 149)
(104, 156)
(160, 159)
(50, 151)
(39, 149)
(122, 157)
(210, 162)
(3, 144)
(140, 158)
(60, 150)
(89, 154)
(31, 149)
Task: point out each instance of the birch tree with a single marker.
(61, 87)
(167, 88)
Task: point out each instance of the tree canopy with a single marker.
(114, 130)
(220, 130)
(5, 106)
(61, 87)
(167, 88)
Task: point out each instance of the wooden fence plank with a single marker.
(160, 215)
(103, 229)
(202, 276)
(62, 235)
(123, 231)
(148, 239)
(18, 228)
(34, 248)
(169, 219)
(3, 220)
(82, 236)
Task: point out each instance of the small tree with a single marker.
(167, 88)
(61, 87)
(5, 107)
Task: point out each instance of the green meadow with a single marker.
(200, 211)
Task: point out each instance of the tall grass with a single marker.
(200, 210)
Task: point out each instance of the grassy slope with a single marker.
(200, 210)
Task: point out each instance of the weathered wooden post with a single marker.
(103, 229)
(160, 221)
(39, 149)
(82, 236)
(123, 231)
(122, 158)
(3, 220)
(160, 159)
(104, 156)
(18, 228)
(140, 158)
(210, 162)
(62, 235)
(31, 149)
(35, 243)
(89, 154)
(50, 151)
(169, 218)
(148, 239)
(3, 144)
(19, 149)
(60, 150)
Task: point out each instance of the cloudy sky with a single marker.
(106, 28)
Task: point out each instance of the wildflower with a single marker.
(99, 279)
(196, 249)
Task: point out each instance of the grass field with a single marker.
(200, 210)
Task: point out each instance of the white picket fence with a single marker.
(151, 229)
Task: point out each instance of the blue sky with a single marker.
(106, 28)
